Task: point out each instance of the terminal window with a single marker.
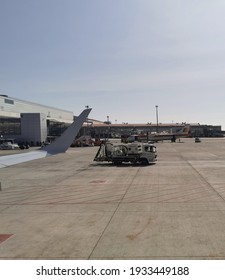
(9, 101)
(10, 126)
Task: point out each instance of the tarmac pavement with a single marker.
(69, 207)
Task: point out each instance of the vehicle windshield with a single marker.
(151, 149)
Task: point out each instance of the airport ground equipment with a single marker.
(197, 140)
(137, 152)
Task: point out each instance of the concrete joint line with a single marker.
(113, 214)
(205, 181)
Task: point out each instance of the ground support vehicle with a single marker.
(9, 146)
(143, 153)
(197, 140)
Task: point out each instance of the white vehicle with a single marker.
(9, 146)
(143, 153)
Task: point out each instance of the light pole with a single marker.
(157, 119)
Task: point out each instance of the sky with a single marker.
(120, 57)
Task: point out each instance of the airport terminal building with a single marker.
(109, 130)
(31, 123)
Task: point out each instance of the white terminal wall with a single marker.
(11, 107)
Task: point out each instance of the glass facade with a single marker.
(10, 126)
(56, 128)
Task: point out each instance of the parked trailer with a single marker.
(143, 153)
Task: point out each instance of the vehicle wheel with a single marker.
(144, 161)
(117, 162)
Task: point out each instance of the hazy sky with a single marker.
(120, 57)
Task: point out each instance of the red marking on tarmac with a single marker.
(4, 237)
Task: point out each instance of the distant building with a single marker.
(103, 130)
